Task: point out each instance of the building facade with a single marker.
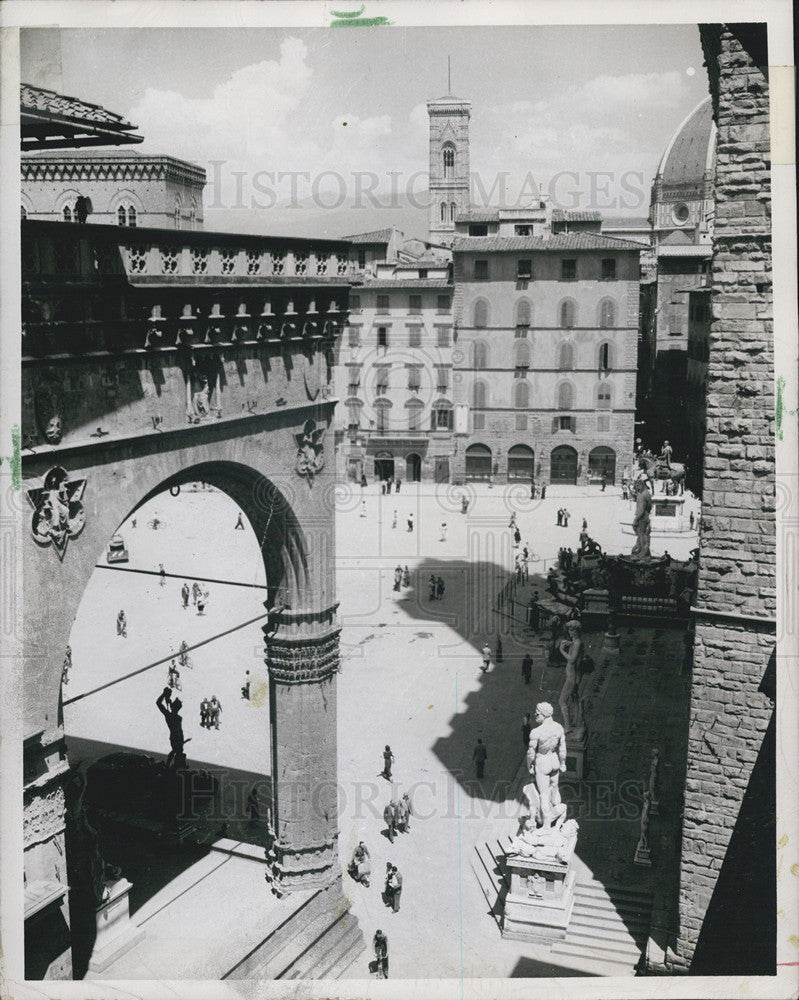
(449, 165)
(545, 365)
(394, 374)
(124, 188)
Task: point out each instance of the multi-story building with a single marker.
(545, 366)
(394, 374)
(449, 165)
(112, 187)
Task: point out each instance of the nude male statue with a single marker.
(546, 759)
(572, 650)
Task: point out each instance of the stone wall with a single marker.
(735, 604)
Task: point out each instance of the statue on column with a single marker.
(545, 833)
(641, 522)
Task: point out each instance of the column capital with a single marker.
(304, 647)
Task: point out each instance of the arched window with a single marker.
(566, 314)
(521, 394)
(523, 312)
(605, 357)
(448, 158)
(452, 211)
(193, 215)
(480, 354)
(481, 314)
(565, 396)
(566, 357)
(68, 213)
(131, 217)
(607, 313)
(603, 396)
(443, 211)
(521, 354)
(479, 396)
(122, 216)
(177, 213)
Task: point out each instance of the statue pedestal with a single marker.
(642, 856)
(115, 933)
(541, 898)
(576, 744)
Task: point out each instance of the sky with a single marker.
(325, 131)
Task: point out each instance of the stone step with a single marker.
(491, 884)
(611, 923)
(590, 938)
(593, 887)
(349, 965)
(323, 953)
(641, 910)
(593, 961)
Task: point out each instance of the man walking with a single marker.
(560, 517)
(184, 594)
(432, 585)
(486, 658)
(394, 520)
(205, 709)
(479, 756)
(214, 711)
(388, 760)
(397, 577)
(527, 668)
(440, 589)
(173, 678)
(195, 592)
(122, 625)
(390, 819)
(239, 523)
(410, 522)
(395, 888)
(443, 531)
(404, 814)
(406, 577)
(162, 574)
(380, 945)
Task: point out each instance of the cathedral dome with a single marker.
(690, 153)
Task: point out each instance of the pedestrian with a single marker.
(534, 612)
(691, 521)
(390, 819)
(184, 594)
(66, 666)
(394, 520)
(397, 577)
(214, 711)
(479, 756)
(388, 760)
(253, 807)
(195, 592)
(162, 574)
(560, 517)
(464, 505)
(201, 599)
(395, 888)
(566, 516)
(363, 508)
(517, 537)
(383, 486)
(380, 945)
(443, 531)
(410, 522)
(404, 814)
(406, 577)
(173, 677)
(585, 525)
(440, 589)
(363, 480)
(486, 658)
(543, 491)
(205, 709)
(527, 667)
(239, 523)
(245, 690)
(133, 523)
(399, 483)
(512, 522)
(122, 625)
(183, 655)
(532, 491)
(499, 649)
(432, 586)
(604, 481)
(526, 729)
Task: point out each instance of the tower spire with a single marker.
(449, 78)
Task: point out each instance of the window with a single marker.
(443, 336)
(177, 213)
(479, 396)
(278, 263)
(415, 305)
(137, 259)
(382, 305)
(442, 304)
(441, 417)
(169, 260)
(199, 261)
(480, 354)
(353, 415)
(566, 424)
(355, 380)
(523, 230)
(415, 408)
(521, 395)
(478, 229)
(382, 418)
(381, 382)
(478, 421)
(322, 263)
(605, 357)
(524, 269)
(603, 422)
(300, 263)
(448, 159)
(521, 421)
(131, 217)
(193, 215)
(414, 336)
(565, 396)
(603, 396)
(422, 272)
(523, 313)
(453, 211)
(382, 336)
(681, 213)
(228, 258)
(607, 314)
(355, 336)
(122, 216)
(481, 314)
(414, 378)
(254, 262)
(443, 211)
(566, 357)
(69, 213)
(361, 259)
(442, 379)
(567, 314)
(481, 270)
(568, 269)
(521, 354)
(609, 269)
(355, 303)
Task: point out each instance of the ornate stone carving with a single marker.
(310, 449)
(641, 521)
(304, 660)
(49, 408)
(58, 513)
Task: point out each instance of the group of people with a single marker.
(402, 577)
(563, 518)
(210, 710)
(436, 588)
(396, 816)
(198, 594)
(386, 484)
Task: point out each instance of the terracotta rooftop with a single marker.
(479, 215)
(377, 236)
(54, 121)
(575, 215)
(555, 242)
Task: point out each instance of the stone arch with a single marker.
(481, 314)
(567, 314)
(606, 314)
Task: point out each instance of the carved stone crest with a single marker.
(310, 450)
(58, 513)
(49, 408)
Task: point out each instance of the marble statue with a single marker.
(568, 699)
(641, 521)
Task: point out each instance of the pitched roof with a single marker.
(377, 236)
(557, 242)
(479, 215)
(625, 222)
(677, 239)
(575, 215)
(388, 283)
(53, 121)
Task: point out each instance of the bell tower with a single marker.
(449, 164)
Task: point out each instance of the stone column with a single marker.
(302, 653)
